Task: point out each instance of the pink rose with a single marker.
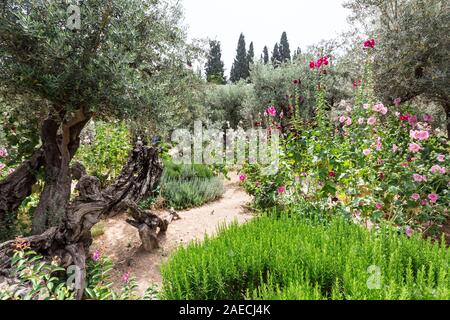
(394, 148)
(414, 147)
(349, 122)
(441, 158)
(415, 197)
(342, 119)
(372, 121)
(433, 197)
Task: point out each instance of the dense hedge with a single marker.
(296, 258)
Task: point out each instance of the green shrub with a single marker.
(188, 186)
(297, 258)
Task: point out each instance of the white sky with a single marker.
(262, 21)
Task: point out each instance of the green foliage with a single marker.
(105, 152)
(38, 279)
(296, 258)
(187, 186)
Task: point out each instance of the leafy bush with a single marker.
(296, 258)
(38, 279)
(188, 186)
(105, 151)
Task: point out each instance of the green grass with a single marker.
(188, 186)
(296, 258)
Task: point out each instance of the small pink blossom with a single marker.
(2, 166)
(349, 122)
(366, 106)
(242, 178)
(361, 121)
(415, 197)
(394, 148)
(428, 118)
(424, 203)
(379, 206)
(366, 152)
(281, 190)
(372, 121)
(379, 144)
(3, 153)
(380, 108)
(414, 147)
(397, 101)
(412, 120)
(419, 135)
(126, 277)
(409, 232)
(11, 170)
(441, 158)
(419, 178)
(271, 111)
(342, 119)
(433, 197)
(96, 255)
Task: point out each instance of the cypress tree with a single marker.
(276, 57)
(266, 55)
(251, 54)
(214, 65)
(285, 52)
(240, 68)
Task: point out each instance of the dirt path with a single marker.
(121, 241)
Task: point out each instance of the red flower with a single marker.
(312, 65)
(332, 174)
(369, 43)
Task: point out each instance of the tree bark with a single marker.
(59, 150)
(72, 238)
(15, 188)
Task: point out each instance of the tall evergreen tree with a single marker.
(251, 54)
(240, 68)
(297, 53)
(276, 56)
(214, 66)
(285, 52)
(266, 55)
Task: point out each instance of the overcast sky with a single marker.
(262, 21)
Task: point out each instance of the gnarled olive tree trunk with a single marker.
(72, 238)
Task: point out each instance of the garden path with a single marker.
(121, 242)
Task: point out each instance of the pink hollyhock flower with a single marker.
(415, 197)
(433, 197)
(361, 121)
(394, 148)
(2, 166)
(126, 277)
(380, 108)
(412, 120)
(379, 144)
(379, 206)
(349, 122)
(414, 147)
(397, 101)
(366, 152)
(96, 255)
(271, 111)
(342, 119)
(312, 65)
(319, 63)
(419, 178)
(243, 177)
(419, 135)
(441, 158)
(3, 153)
(435, 169)
(372, 121)
(281, 190)
(428, 118)
(409, 232)
(325, 60)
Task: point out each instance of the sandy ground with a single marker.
(121, 241)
